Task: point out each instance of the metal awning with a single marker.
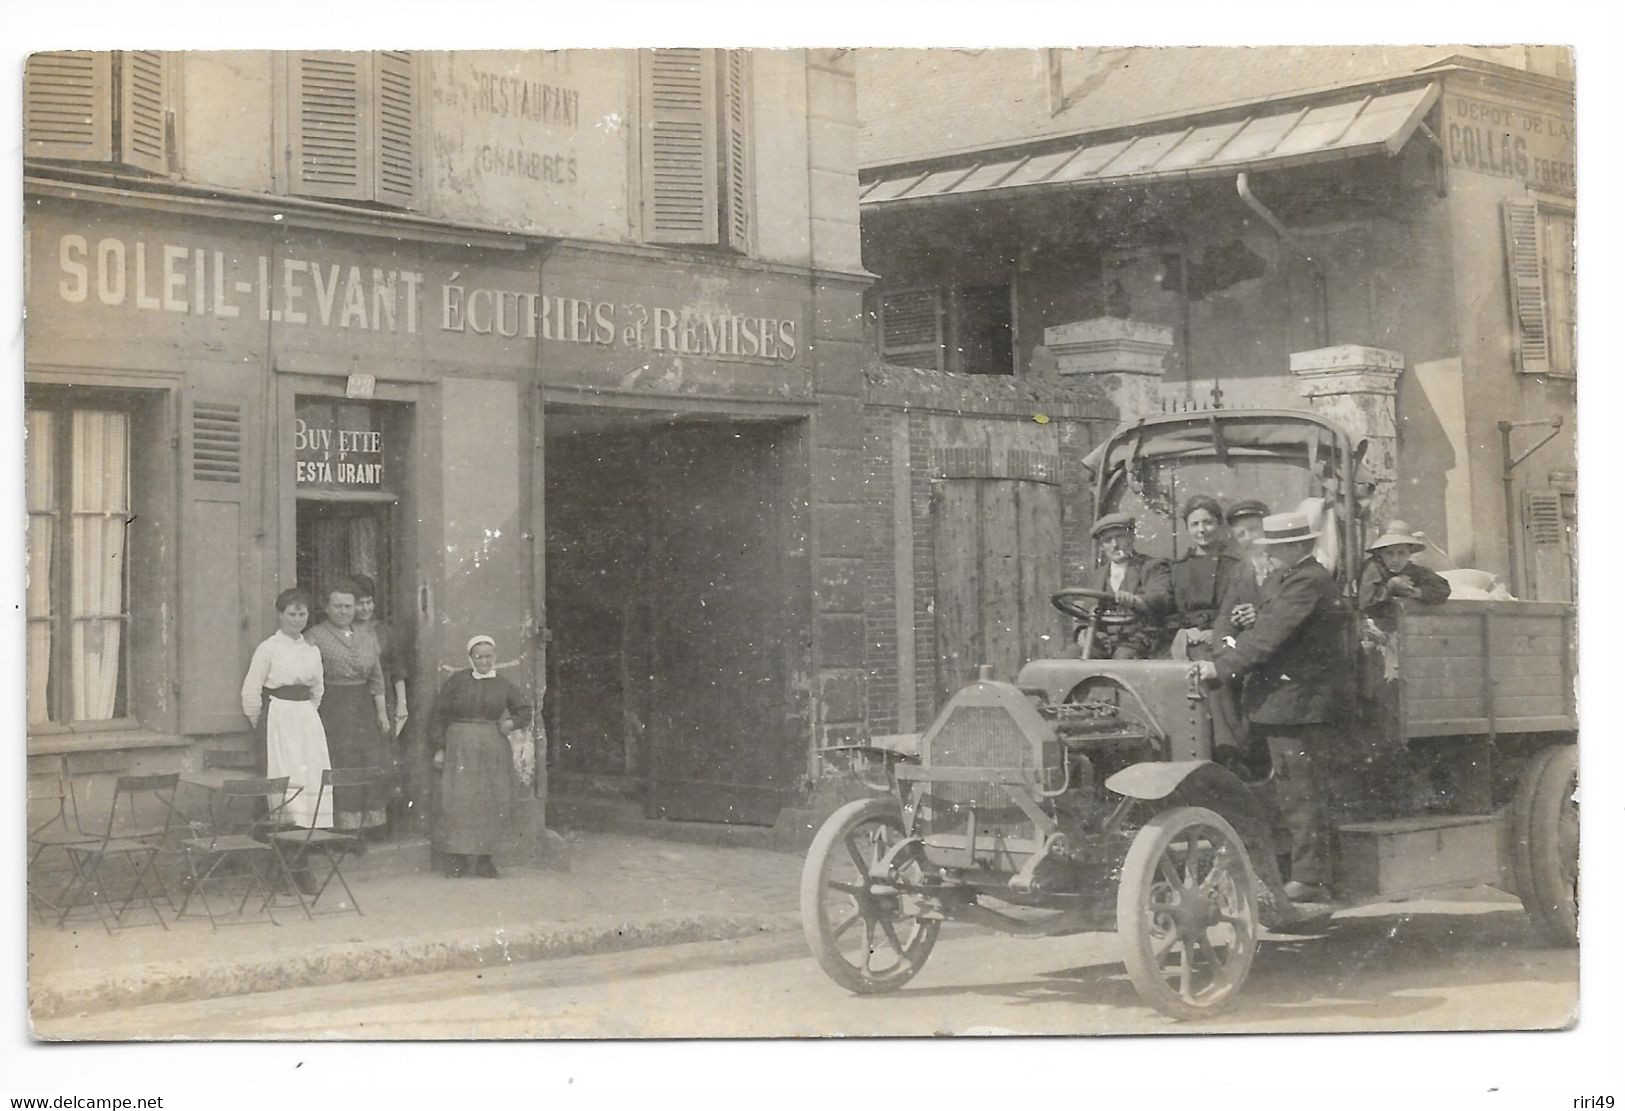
(1356, 125)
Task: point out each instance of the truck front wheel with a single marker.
(1187, 913)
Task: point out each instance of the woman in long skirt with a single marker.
(358, 734)
(473, 714)
(281, 696)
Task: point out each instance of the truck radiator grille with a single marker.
(977, 737)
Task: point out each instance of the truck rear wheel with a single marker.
(1546, 843)
(864, 932)
(1187, 913)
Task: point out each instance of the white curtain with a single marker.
(40, 476)
(100, 507)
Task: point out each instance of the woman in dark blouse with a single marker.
(1200, 578)
(473, 714)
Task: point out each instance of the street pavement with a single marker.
(1466, 962)
(621, 892)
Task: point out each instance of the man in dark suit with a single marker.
(1244, 595)
(1133, 578)
(1294, 663)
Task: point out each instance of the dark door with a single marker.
(720, 743)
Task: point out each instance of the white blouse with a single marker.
(282, 661)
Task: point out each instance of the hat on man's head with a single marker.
(1286, 528)
(1250, 508)
(1398, 534)
(1109, 522)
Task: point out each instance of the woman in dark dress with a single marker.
(358, 734)
(392, 662)
(1199, 579)
(473, 714)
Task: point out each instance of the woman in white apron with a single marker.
(281, 694)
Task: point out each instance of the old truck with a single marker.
(1085, 795)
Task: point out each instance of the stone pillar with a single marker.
(1356, 386)
(1124, 357)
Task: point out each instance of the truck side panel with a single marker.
(1487, 667)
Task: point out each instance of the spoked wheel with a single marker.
(865, 934)
(1187, 913)
(1546, 843)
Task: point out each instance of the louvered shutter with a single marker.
(395, 129)
(214, 635)
(679, 146)
(1547, 539)
(142, 109)
(734, 131)
(1525, 271)
(911, 328)
(330, 103)
(68, 105)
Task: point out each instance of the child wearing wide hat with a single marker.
(1391, 572)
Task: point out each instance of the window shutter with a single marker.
(214, 637)
(1547, 537)
(217, 442)
(1525, 270)
(734, 132)
(911, 328)
(329, 104)
(68, 105)
(679, 146)
(142, 108)
(395, 129)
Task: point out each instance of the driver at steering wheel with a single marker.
(1131, 577)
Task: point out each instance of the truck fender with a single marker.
(1155, 779)
(1207, 784)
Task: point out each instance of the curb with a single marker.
(185, 981)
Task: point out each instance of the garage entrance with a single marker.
(672, 550)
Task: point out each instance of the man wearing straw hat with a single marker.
(1293, 661)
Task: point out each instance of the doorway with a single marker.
(334, 539)
(671, 612)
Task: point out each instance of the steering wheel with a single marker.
(1068, 602)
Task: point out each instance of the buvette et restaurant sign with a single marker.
(151, 276)
(337, 447)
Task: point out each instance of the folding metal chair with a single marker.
(53, 823)
(132, 839)
(351, 789)
(237, 849)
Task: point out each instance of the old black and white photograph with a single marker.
(522, 538)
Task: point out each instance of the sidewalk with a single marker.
(622, 892)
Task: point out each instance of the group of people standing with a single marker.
(1261, 625)
(335, 696)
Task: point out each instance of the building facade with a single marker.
(1068, 239)
(559, 346)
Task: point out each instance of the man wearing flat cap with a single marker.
(1294, 664)
(1132, 577)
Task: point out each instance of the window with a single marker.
(697, 157)
(78, 482)
(969, 329)
(100, 106)
(1541, 276)
(353, 127)
(911, 328)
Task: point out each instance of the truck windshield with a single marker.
(1281, 459)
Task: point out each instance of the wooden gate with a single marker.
(998, 560)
